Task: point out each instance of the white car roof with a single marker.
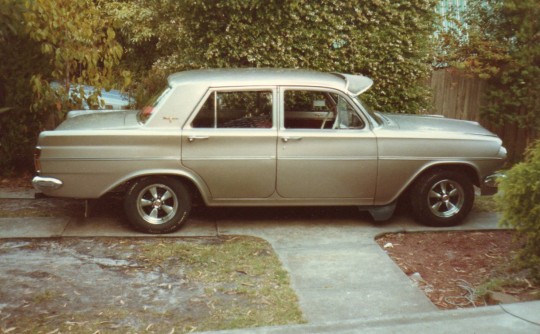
(352, 84)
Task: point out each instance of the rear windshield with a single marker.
(146, 112)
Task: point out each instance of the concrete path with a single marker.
(503, 319)
(336, 268)
(345, 282)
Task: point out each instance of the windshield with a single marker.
(154, 102)
(365, 107)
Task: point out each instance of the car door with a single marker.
(230, 143)
(326, 150)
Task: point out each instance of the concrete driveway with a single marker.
(343, 279)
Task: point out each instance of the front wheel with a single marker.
(157, 204)
(442, 198)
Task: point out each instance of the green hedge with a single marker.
(389, 41)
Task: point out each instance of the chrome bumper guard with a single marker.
(46, 183)
(489, 186)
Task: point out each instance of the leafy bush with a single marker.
(519, 199)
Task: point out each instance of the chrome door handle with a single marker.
(286, 139)
(193, 138)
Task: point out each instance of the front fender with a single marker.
(395, 178)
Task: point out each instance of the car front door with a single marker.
(326, 150)
(231, 143)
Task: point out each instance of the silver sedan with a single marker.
(267, 137)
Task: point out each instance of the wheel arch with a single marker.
(442, 196)
(466, 168)
(195, 184)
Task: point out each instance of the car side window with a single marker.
(236, 109)
(305, 109)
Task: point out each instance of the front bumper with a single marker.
(490, 183)
(46, 184)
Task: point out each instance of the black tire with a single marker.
(442, 198)
(157, 204)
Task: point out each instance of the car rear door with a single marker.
(231, 143)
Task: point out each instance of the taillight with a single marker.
(37, 162)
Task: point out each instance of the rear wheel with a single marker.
(442, 198)
(157, 204)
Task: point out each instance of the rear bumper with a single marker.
(46, 184)
(489, 185)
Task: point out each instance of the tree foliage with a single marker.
(81, 48)
(82, 42)
(147, 29)
(62, 41)
(499, 41)
(519, 200)
(389, 41)
(20, 61)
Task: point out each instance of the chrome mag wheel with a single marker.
(157, 204)
(442, 197)
(446, 198)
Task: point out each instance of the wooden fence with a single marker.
(456, 95)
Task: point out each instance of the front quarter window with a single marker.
(315, 109)
(153, 103)
(366, 108)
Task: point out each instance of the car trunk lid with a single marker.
(99, 120)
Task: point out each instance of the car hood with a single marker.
(99, 120)
(435, 123)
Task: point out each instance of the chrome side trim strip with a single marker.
(438, 158)
(114, 159)
(334, 158)
(226, 158)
